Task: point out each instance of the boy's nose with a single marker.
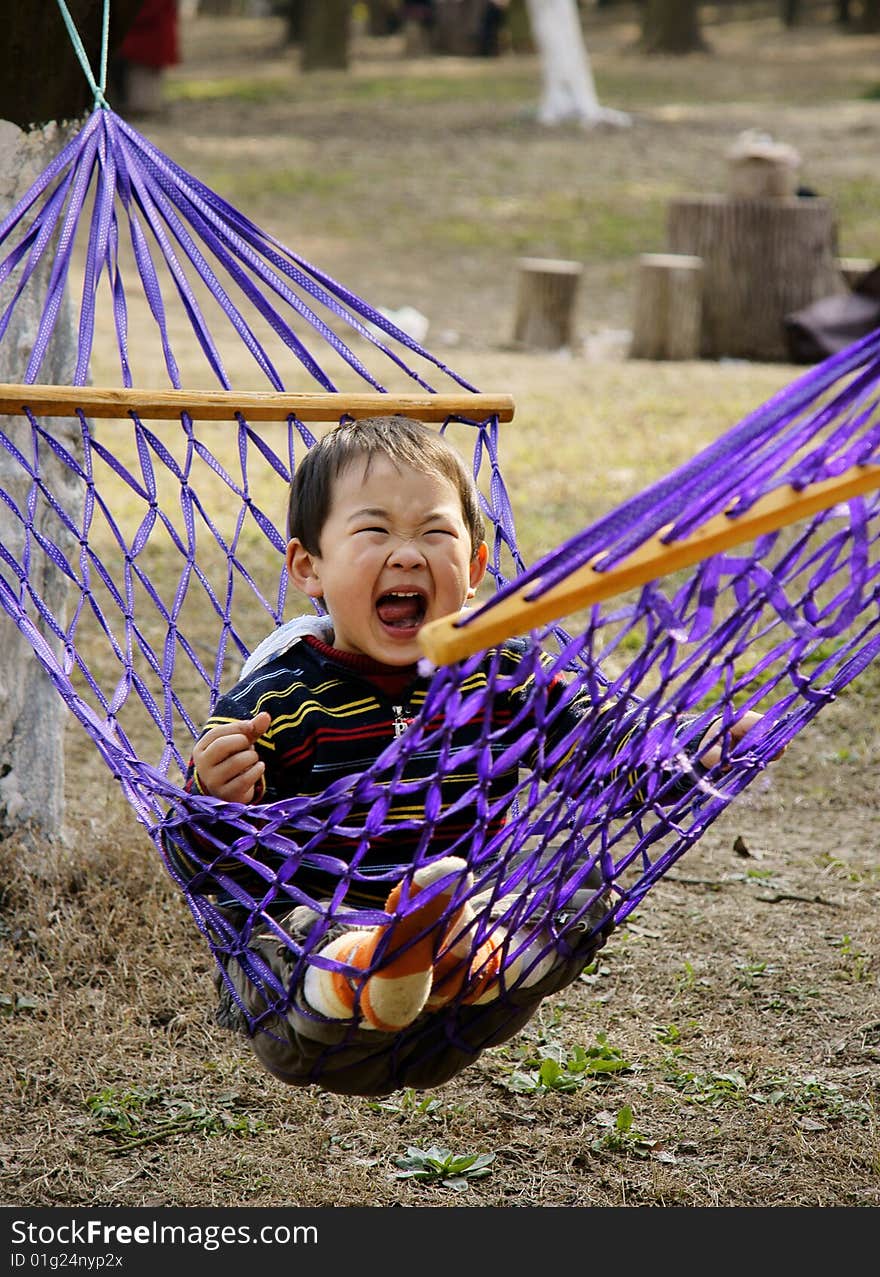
(406, 554)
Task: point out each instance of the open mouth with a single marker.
(401, 609)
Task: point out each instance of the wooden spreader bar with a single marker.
(447, 639)
(257, 405)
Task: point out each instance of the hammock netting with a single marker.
(143, 560)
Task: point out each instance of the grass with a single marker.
(856, 199)
(561, 224)
(135, 1117)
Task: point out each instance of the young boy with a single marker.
(385, 532)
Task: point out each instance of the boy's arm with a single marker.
(705, 753)
(711, 744)
(225, 762)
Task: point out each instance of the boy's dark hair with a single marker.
(404, 441)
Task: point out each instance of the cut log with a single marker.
(546, 295)
(762, 260)
(668, 307)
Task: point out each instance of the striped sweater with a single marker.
(333, 713)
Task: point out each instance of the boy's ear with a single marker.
(301, 569)
(478, 568)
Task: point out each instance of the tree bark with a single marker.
(870, 19)
(292, 12)
(790, 12)
(32, 714)
(40, 76)
(519, 28)
(326, 29)
(668, 309)
(455, 27)
(672, 26)
(41, 81)
(383, 17)
(546, 295)
(762, 260)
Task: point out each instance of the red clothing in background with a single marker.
(152, 39)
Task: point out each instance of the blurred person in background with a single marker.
(151, 45)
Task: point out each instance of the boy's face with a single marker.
(395, 552)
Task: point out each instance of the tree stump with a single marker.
(668, 308)
(545, 300)
(762, 260)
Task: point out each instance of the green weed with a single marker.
(558, 1071)
(808, 1095)
(622, 1137)
(856, 965)
(410, 1104)
(751, 971)
(815, 1097)
(687, 979)
(148, 1115)
(440, 1166)
(671, 1034)
(709, 1089)
(12, 1004)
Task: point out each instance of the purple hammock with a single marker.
(142, 558)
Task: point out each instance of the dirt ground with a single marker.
(743, 995)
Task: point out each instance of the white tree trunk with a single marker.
(32, 714)
(568, 90)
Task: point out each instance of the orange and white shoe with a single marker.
(391, 968)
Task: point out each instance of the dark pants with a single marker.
(301, 1048)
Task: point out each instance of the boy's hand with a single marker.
(227, 764)
(712, 754)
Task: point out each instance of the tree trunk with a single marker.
(870, 20)
(41, 80)
(672, 26)
(383, 17)
(40, 76)
(568, 91)
(762, 260)
(326, 28)
(32, 714)
(293, 20)
(519, 28)
(456, 26)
